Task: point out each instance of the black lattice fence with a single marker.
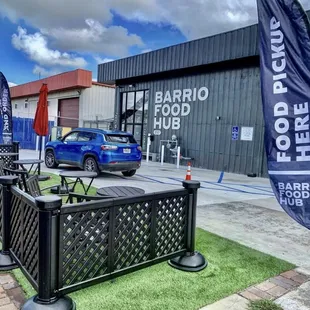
(99, 239)
(61, 249)
(24, 233)
(9, 148)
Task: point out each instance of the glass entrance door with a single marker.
(135, 115)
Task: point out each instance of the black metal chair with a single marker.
(33, 187)
(22, 177)
(34, 190)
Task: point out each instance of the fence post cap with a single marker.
(48, 202)
(8, 180)
(191, 184)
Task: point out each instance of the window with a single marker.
(71, 137)
(16, 106)
(26, 105)
(86, 136)
(135, 114)
(120, 139)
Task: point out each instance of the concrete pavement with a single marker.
(153, 177)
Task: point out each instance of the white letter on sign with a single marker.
(167, 97)
(278, 88)
(280, 109)
(203, 93)
(176, 123)
(157, 108)
(175, 109)
(159, 97)
(186, 109)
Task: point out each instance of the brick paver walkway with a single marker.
(12, 296)
(275, 287)
(271, 289)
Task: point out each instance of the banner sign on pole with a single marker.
(284, 31)
(6, 110)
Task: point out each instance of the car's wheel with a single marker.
(129, 173)
(50, 160)
(90, 164)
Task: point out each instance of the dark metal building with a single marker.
(206, 92)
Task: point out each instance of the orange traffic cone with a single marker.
(188, 172)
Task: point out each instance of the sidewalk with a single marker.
(289, 290)
(12, 296)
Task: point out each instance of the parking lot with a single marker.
(152, 177)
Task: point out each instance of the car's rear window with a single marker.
(120, 139)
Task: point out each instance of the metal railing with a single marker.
(63, 248)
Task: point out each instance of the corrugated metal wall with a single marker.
(226, 46)
(234, 96)
(53, 98)
(97, 101)
(236, 44)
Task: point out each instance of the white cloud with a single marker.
(11, 84)
(114, 40)
(146, 50)
(194, 18)
(42, 72)
(35, 46)
(100, 60)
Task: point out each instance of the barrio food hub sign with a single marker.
(171, 106)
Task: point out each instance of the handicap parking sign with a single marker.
(235, 133)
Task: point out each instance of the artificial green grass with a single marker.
(263, 305)
(232, 268)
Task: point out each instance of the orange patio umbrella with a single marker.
(40, 122)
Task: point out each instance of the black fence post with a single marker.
(47, 298)
(6, 261)
(15, 147)
(192, 260)
(15, 150)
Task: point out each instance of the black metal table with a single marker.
(24, 162)
(77, 175)
(32, 162)
(120, 191)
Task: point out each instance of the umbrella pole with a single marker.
(40, 151)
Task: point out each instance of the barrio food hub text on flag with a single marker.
(284, 31)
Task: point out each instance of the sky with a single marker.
(40, 38)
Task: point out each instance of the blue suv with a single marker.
(95, 150)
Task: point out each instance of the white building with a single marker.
(74, 100)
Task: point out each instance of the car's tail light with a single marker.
(109, 147)
(139, 148)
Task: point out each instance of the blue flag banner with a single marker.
(284, 31)
(6, 110)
